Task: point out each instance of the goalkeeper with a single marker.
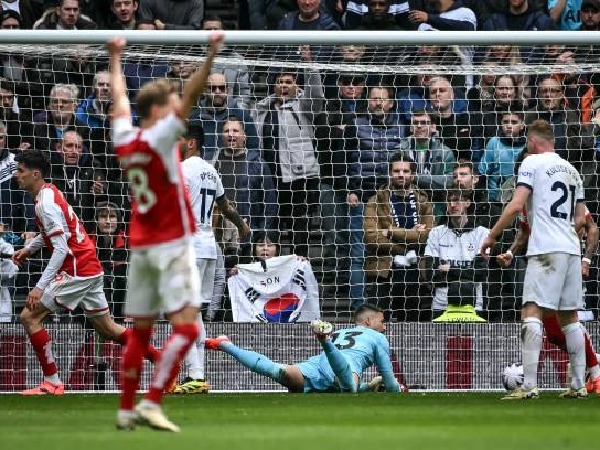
(339, 368)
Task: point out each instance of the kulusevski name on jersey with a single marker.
(556, 187)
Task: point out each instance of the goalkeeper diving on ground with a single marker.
(338, 368)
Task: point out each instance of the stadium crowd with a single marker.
(351, 170)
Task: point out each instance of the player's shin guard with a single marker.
(531, 337)
(576, 349)
(168, 366)
(256, 362)
(132, 365)
(152, 353)
(339, 365)
(42, 346)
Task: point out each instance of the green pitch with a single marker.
(311, 422)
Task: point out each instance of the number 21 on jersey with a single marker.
(564, 191)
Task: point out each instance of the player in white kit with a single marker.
(551, 191)
(205, 188)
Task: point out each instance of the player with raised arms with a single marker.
(162, 271)
(73, 276)
(551, 325)
(551, 191)
(339, 368)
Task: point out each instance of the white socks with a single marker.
(196, 355)
(531, 337)
(576, 349)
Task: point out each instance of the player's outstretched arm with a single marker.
(121, 106)
(510, 213)
(505, 259)
(231, 213)
(384, 366)
(195, 85)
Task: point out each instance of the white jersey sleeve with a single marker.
(556, 186)
(49, 213)
(165, 133)
(123, 131)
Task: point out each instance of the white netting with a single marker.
(312, 149)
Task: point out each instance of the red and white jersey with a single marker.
(55, 216)
(160, 208)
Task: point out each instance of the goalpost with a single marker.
(492, 77)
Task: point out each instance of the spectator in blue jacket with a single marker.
(501, 152)
(215, 107)
(93, 109)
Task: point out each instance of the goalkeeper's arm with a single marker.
(384, 365)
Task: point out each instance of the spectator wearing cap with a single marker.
(26, 12)
(11, 20)
(215, 107)
(173, 14)
(65, 16)
(590, 15)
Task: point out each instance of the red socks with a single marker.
(152, 354)
(131, 365)
(168, 366)
(557, 337)
(42, 345)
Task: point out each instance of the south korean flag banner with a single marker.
(280, 289)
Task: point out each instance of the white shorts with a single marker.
(206, 273)
(69, 292)
(553, 281)
(162, 278)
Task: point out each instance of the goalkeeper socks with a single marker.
(42, 346)
(152, 354)
(531, 336)
(195, 357)
(339, 365)
(256, 362)
(132, 365)
(576, 348)
(165, 372)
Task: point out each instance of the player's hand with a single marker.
(20, 256)
(34, 298)
(116, 45)
(216, 41)
(505, 259)
(486, 247)
(585, 269)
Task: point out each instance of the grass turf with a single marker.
(312, 422)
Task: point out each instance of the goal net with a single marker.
(303, 136)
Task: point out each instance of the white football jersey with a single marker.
(457, 250)
(556, 187)
(204, 187)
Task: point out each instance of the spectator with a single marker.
(465, 178)
(285, 121)
(520, 15)
(238, 76)
(49, 125)
(482, 93)
(457, 130)
(266, 14)
(215, 107)
(140, 70)
(246, 177)
(453, 263)
(173, 14)
(367, 14)
(111, 245)
(398, 219)
(506, 91)
(565, 14)
(379, 134)
(74, 175)
(27, 12)
(510, 56)
(446, 15)
(66, 16)
(125, 14)
(15, 206)
(93, 110)
(8, 270)
(433, 160)
(590, 15)
(19, 134)
(501, 152)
